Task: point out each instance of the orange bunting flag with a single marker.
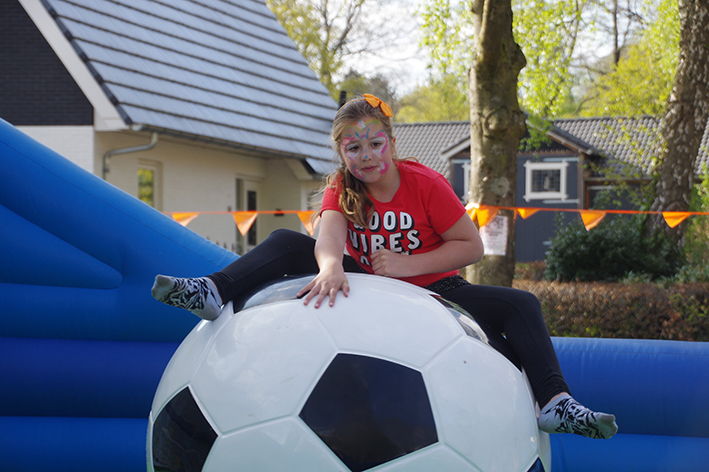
(306, 219)
(470, 209)
(486, 214)
(244, 220)
(674, 218)
(591, 218)
(184, 218)
(526, 212)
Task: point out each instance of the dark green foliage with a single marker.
(613, 250)
(615, 310)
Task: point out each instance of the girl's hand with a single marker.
(325, 284)
(390, 264)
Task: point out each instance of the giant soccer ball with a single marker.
(393, 378)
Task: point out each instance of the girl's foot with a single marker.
(199, 295)
(565, 415)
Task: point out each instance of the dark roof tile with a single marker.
(427, 141)
(225, 71)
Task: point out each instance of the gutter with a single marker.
(113, 152)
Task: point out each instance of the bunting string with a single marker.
(245, 219)
(482, 214)
(485, 213)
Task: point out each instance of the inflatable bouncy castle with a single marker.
(83, 345)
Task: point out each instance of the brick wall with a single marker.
(35, 88)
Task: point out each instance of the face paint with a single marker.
(350, 148)
(365, 150)
(383, 168)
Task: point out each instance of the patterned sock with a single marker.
(199, 295)
(566, 415)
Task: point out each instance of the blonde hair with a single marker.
(354, 200)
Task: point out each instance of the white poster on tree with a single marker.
(494, 236)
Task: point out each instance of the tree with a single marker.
(641, 81)
(685, 118)
(439, 100)
(328, 33)
(321, 32)
(447, 35)
(356, 84)
(546, 31)
(496, 126)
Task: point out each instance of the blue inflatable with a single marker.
(83, 344)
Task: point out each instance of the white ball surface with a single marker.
(425, 390)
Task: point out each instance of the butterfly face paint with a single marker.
(366, 150)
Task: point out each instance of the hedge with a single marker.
(616, 310)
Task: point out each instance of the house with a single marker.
(567, 171)
(196, 105)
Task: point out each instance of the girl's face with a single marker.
(367, 150)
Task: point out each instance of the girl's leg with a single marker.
(284, 252)
(518, 315)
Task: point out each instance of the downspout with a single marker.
(113, 152)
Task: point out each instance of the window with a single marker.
(545, 180)
(149, 183)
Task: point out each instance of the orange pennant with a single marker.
(470, 209)
(184, 218)
(244, 220)
(306, 219)
(486, 214)
(591, 218)
(526, 212)
(674, 218)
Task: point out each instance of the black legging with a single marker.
(515, 313)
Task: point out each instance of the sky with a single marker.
(400, 58)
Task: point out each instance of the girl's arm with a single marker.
(462, 246)
(329, 250)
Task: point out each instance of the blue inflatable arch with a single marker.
(83, 344)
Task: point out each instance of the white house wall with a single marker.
(202, 178)
(76, 143)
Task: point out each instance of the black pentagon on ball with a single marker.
(369, 411)
(182, 436)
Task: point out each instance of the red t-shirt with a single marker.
(424, 207)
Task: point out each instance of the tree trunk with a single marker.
(496, 126)
(685, 118)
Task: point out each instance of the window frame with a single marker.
(156, 169)
(531, 167)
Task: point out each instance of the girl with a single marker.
(396, 218)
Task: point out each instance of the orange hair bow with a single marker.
(376, 102)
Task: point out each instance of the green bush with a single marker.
(610, 252)
(697, 234)
(615, 310)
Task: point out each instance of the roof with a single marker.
(628, 141)
(428, 142)
(621, 141)
(219, 70)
